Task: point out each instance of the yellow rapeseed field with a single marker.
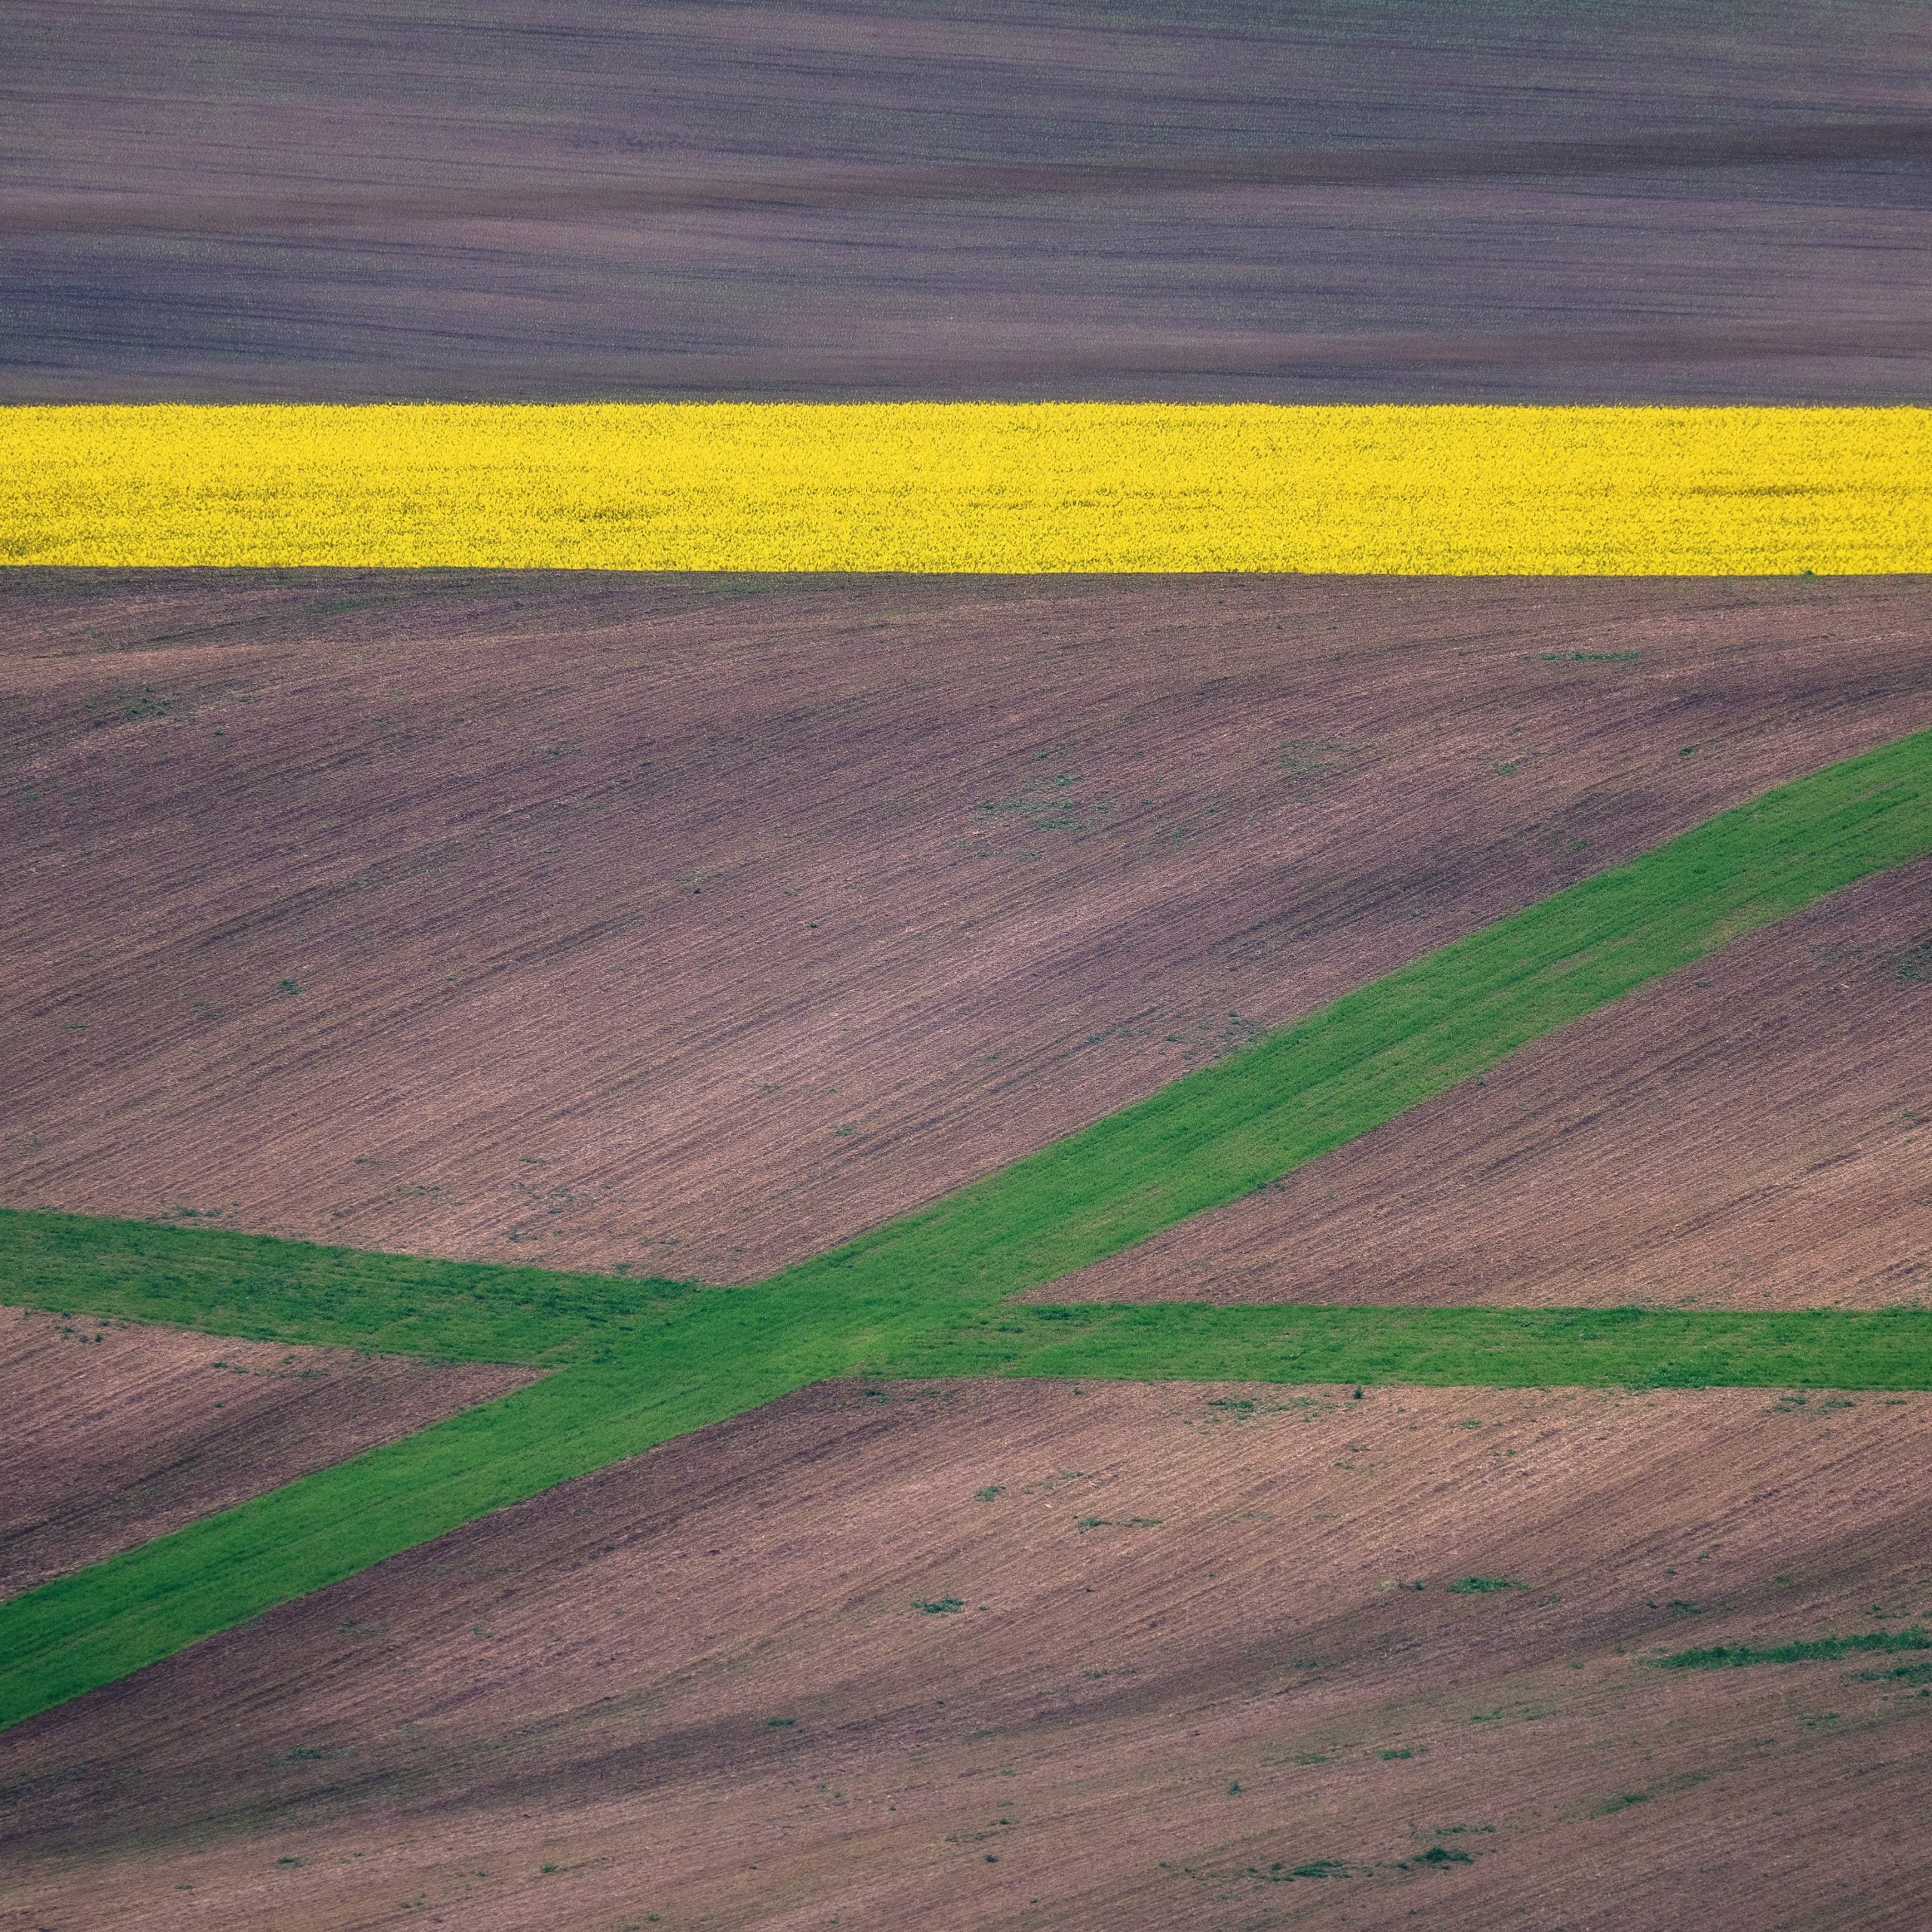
(1044, 486)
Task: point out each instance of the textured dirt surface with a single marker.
(114, 1432)
(687, 926)
(1755, 1131)
(591, 198)
(1029, 1656)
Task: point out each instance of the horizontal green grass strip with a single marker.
(731, 1350)
(260, 1288)
(1440, 1347)
(928, 1294)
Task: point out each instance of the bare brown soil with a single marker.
(1754, 1131)
(1406, 200)
(688, 926)
(116, 1432)
(1030, 1656)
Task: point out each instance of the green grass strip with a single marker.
(1200, 1142)
(1439, 1347)
(262, 1289)
(928, 1294)
(1819, 1650)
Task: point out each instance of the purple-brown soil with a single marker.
(116, 1432)
(1407, 201)
(689, 926)
(1030, 1656)
(1754, 1131)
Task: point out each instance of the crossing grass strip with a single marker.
(979, 487)
(734, 1350)
(929, 1293)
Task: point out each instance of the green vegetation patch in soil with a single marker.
(1815, 1650)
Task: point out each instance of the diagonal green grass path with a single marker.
(638, 1363)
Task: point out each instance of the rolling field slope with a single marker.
(1754, 1131)
(117, 1433)
(1356, 200)
(687, 927)
(1029, 1656)
(1342, 835)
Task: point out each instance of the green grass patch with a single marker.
(1903, 1673)
(1815, 1650)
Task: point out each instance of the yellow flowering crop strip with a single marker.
(955, 486)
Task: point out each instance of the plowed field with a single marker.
(116, 1433)
(1218, 201)
(687, 926)
(1041, 1655)
(1754, 1132)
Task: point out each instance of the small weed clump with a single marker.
(1901, 1673)
(1282, 1873)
